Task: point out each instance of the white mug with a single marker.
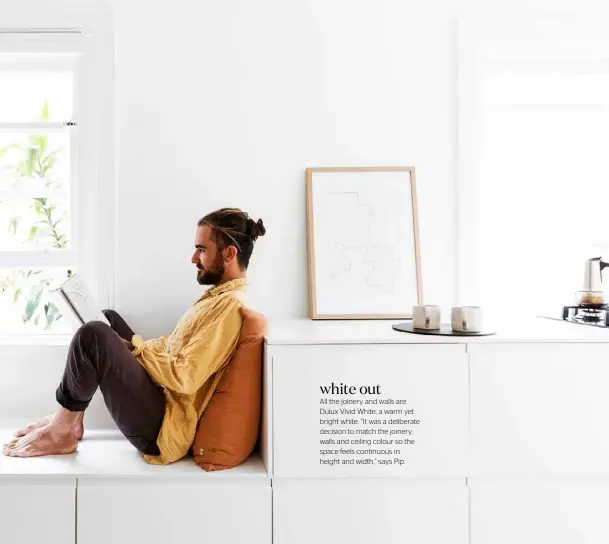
(466, 319)
(426, 317)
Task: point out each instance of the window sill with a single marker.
(35, 340)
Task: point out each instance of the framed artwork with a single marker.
(363, 243)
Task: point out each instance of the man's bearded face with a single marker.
(211, 274)
(208, 259)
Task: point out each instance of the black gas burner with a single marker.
(587, 314)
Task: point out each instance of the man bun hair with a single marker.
(257, 229)
(234, 227)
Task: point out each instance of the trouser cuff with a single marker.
(69, 403)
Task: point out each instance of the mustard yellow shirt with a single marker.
(189, 363)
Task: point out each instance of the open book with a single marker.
(76, 302)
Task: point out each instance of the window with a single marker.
(534, 175)
(48, 179)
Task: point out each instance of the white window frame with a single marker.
(87, 31)
(567, 41)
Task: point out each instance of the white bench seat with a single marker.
(103, 454)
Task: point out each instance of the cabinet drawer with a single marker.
(370, 410)
(551, 513)
(36, 510)
(129, 511)
(539, 409)
(364, 511)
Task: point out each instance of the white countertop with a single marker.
(531, 329)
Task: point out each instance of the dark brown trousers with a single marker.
(98, 358)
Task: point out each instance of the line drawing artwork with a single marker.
(380, 266)
(362, 242)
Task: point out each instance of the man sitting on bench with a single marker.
(155, 390)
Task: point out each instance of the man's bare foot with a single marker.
(52, 439)
(54, 435)
(78, 430)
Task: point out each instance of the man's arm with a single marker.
(211, 344)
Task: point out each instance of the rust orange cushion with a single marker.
(228, 429)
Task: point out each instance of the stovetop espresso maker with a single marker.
(593, 292)
(590, 306)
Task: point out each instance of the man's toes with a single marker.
(25, 430)
(16, 452)
(8, 449)
(14, 447)
(31, 427)
(11, 444)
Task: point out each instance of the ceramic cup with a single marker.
(466, 319)
(426, 317)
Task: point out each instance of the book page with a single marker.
(76, 302)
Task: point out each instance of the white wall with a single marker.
(226, 103)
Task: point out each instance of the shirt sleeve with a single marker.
(157, 344)
(211, 344)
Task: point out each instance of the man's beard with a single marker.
(212, 276)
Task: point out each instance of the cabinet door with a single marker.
(539, 409)
(364, 511)
(370, 410)
(540, 514)
(34, 511)
(126, 512)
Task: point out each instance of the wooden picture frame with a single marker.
(363, 205)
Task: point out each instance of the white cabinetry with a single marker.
(430, 379)
(364, 511)
(510, 446)
(36, 509)
(541, 513)
(360, 503)
(539, 410)
(125, 512)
